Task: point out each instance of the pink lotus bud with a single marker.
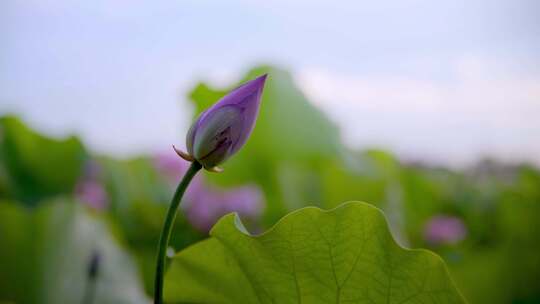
(223, 129)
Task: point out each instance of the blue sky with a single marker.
(432, 80)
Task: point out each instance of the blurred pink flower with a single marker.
(170, 165)
(444, 229)
(172, 168)
(92, 193)
(89, 190)
(204, 204)
(205, 209)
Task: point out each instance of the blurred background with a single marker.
(427, 110)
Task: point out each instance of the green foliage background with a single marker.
(296, 157)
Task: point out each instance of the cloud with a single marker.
(485, 108)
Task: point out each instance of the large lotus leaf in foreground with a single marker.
(345, 255)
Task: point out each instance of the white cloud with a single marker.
(483, 109)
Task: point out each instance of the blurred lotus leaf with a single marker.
(311, 256)
(35, 166)
(46, 251)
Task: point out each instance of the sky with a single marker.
(437, 81)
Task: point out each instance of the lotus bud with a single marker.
(224, 128)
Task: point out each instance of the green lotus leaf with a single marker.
(345, 255)
(45, 254)
(34, 166)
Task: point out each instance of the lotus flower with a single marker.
(172, 169)
(92, 193)
(223, 129)
(89, 190)
(205, 204)
(204, 209)
(444, 229)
